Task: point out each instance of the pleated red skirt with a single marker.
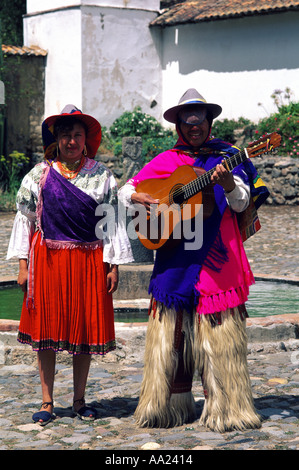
(71, 309)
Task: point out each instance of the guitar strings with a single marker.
(204, 178)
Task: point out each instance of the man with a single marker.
(197, 315)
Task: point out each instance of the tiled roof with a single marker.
(194, 11)
(23, 50)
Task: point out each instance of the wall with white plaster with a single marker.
(60, 35)
(120, 63)
(43, 5)
(103, 59)
(236, 63)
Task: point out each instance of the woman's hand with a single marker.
(112, 279)
(145, 199)
(223, 177)
(23, 274)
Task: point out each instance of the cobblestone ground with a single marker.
(274, 250)
(114, 382)
(113, 388)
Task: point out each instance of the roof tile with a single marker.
(23, 50)
(194, 11)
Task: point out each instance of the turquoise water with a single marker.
(266, 298)
(272, 298)
(11, 299)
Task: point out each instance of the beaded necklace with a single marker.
(70, 170)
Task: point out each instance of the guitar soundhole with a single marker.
(176, 195)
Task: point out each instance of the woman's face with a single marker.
(195, 135)
(71, 142)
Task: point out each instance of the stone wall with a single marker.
(24, 78)
(281, 175)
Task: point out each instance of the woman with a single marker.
(197, 315)
(67, 273)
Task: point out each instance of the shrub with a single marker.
(136, 124)
(12, 170)
(106, 142)
(152, 146)
(155, 139)
(285, 121)
(225, 129)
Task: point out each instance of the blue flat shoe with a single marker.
(43, 417)
(86, 413)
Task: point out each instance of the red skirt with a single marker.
(72, 309)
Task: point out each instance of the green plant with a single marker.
(11, 20)
(135, 123)
(285, 121)
(12, 170)
(155, 139)
(106, 142)
(225, 129)
(152, 146)
(7, 202)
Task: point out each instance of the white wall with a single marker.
(60, 35)
(43, 5)
(120, 62)
(236, 63)
(102, 59)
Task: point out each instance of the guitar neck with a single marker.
(204, 180)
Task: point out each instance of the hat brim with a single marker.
(171, 114)
(94, 133)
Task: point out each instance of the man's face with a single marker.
(194, 125)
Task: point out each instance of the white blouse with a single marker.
(93, 179)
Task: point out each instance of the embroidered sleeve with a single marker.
(24, 223)
(28, 193)
(125, 193)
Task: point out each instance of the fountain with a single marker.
(267, 297)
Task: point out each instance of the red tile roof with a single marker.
(194, 11)
(23, 50)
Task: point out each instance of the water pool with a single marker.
(266, 298)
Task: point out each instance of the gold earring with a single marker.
(85, 150)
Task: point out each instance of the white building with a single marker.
(108, 56)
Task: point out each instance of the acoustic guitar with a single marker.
(184, 194)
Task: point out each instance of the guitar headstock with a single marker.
(265, 144)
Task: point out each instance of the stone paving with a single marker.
(114, 381)
(113, 388)
(274, 250)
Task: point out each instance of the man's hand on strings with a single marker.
(224, 178)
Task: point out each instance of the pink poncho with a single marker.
(228, 288)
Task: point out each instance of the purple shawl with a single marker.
(67, 214)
